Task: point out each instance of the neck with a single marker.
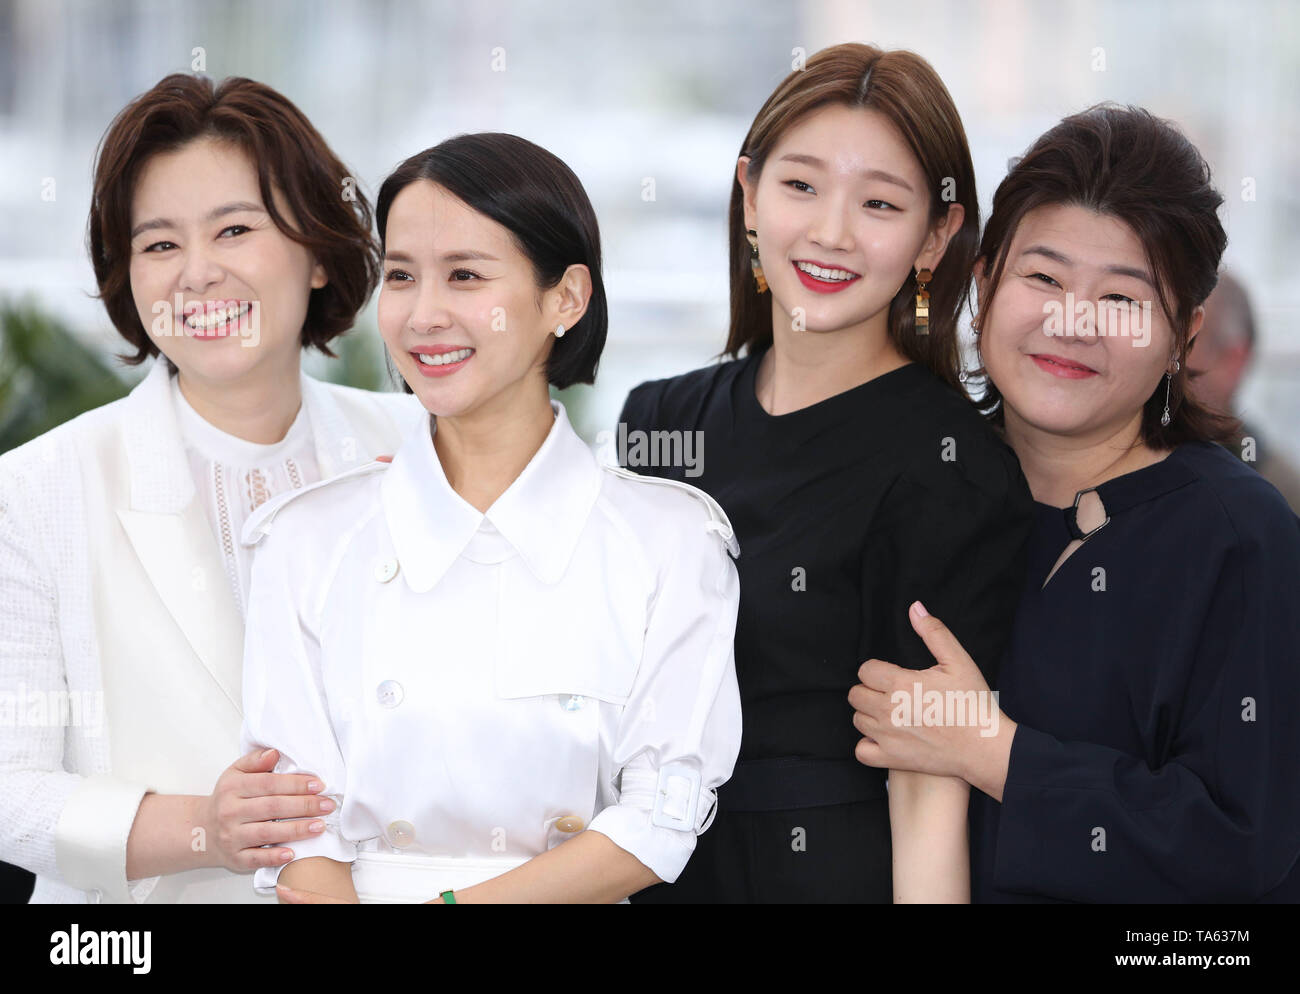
(804, 368)
(484, 451)
(1057, 467)
(259, 407)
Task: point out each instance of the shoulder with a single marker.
(654, 508)
(320, 512)
(947, 447)
(55, 454)
(677, 399)
(1247, 507)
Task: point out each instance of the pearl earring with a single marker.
(559, 331)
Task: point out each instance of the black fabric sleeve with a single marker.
(953, 535)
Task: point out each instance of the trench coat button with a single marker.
(572, 702)
(386, 570)
(400, 834)
(569, 824)
(389, 694)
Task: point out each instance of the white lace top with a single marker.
(233, 477)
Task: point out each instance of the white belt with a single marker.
(398, 878)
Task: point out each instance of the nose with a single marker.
(430, 312)
(830, 227)
(199, 271)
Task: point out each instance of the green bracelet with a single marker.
(448, 897)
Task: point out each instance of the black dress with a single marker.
(846, 512)
(1156, 680)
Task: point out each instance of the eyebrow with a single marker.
(461, 255)
(880, 174)
(1064, 260)
(216, 212)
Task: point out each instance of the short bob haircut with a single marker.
(538, 199)
(904, 88)
(333, 216)
(1125, 163)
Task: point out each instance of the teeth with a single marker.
(830, 275)
(445, 358)
(220, 316)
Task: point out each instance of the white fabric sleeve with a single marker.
(679, 734)
(57, 824)
(284, 697)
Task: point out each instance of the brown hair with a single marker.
(1130, 165)
(905, 89)
(287, 152)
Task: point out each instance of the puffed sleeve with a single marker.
(1219, 821)
(679, 734)
(284, 695)
(953, 535)
(61, 825)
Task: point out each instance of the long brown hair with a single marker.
(908, 92)
(287, 152)
(1128, 164)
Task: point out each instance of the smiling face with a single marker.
(1093, 382)
(842, 215)
(201, 234)
(459, 308)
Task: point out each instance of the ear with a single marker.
(566, 302)
(1193, 329)
(936, 242)
(750, 191)
(319, 277)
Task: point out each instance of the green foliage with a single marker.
(47, 375)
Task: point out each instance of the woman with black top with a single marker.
(856, 474)
(1154, 669)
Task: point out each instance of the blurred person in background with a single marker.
(1219, 362)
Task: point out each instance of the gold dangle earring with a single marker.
(759, 279)
(923, 301)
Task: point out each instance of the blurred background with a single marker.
(632, 95)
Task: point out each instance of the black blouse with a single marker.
(846, 511)
(1156, 680)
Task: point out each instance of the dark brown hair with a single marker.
(288, 154)
(909, 93)
(537, 198)
(1130, 165)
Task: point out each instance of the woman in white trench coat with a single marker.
(512, 667)
(221, 247)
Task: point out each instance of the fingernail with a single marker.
(920, 610)
(265, 753)
(317, 826)
(285, 857)
(327, 805)
(313, 785)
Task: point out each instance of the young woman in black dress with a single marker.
(1155, 666)
(857, 476)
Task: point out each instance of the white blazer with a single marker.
(109, 567)
(474, 688)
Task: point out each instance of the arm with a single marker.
(931, 852)
(956, 533)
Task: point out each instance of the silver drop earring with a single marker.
(1164, 418)
(559, 331)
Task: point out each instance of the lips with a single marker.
(1062, 367)
(824, 278)
(441, 360)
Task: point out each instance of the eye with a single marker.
(1119, 298)
(880, 203)
(239, 228)
(159, 247)
(800, 185)
(456, 275)
(397, 275)
(1044, 278)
